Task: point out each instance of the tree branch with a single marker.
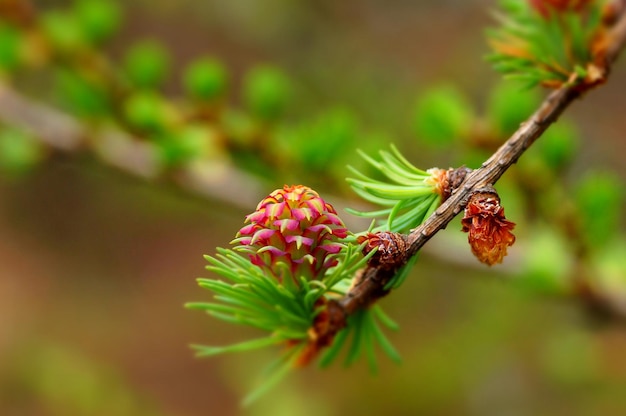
(63, 132)
(371, 286)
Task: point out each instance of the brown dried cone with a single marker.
(489, 231)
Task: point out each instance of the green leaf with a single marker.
(99, 19)
(539, 48)
(600, 199)
(355, 323)
(10, 47)
(401, 274)
(278, 372)
(559, 144)
(368, 341)
(548, 263)
(267, 91)
(83, 94)
(384, 318)
(319, 144)
(63, 30)
(206, 79)
(147, 111)
(412, 216)
(509, 105)
(147, 64)
(407, 193)
(331, 353)
(442, 116)
(385, 344)
(206, 351)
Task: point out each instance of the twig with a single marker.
(372, 284)
(51, 126)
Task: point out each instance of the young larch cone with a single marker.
(489, 231)
(292, 234)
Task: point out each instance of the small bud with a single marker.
(391, 247)
(489, 230)
(447, 181)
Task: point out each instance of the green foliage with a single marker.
(408, 194)
(10, 47)
(544, 48)
(316, 144)
(19, 152)
(266, 92)
(559, 145)
(442, 116)
(610, 267)
(252, 297)
(240, 127)
(547, 263)
(63, 31)
(200, 142)
(365, 334)
(550, 156)
(147, 64)
(205, 79)
(174, 149)
(81, 93)
(509, 105)
(147, 111)
(255, 299)
(98, 19)
(600, 198)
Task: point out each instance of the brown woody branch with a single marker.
(371, 285)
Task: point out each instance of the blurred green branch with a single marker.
(61, 132)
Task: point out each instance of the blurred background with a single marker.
(101, 240)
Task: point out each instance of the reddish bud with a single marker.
(489, 231)
(448, 180)
(391, 247)
(546, 7)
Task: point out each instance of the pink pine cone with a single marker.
(293, 231)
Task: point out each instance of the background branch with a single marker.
(62, 132)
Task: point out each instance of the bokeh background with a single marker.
(95, 264)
